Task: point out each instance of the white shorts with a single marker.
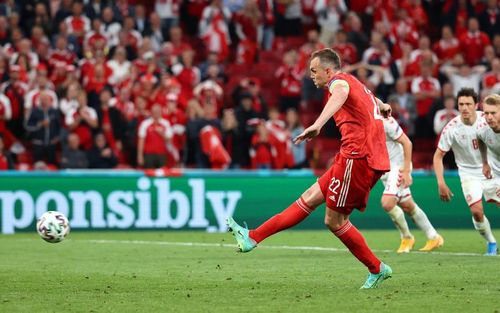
(474, 188)
(394, 186)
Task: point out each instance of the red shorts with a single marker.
(347, 184)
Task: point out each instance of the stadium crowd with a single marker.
(222, 84)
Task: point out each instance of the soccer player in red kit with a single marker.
(357, 167)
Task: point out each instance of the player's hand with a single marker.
(445, 193)
(487, 171)
(406, 179)
(385, 110)
(309, 133)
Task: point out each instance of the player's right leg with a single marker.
(247, 239)
(390, 197)
(473, 188)
(398, 218)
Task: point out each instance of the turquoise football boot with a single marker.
(241, 234)
(374, 280)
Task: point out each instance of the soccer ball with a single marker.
(52, 226)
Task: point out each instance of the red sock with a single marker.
(355, 242)
(291, 216)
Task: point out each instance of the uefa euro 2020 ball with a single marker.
(52, 226)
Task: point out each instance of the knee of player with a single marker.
(408, 205)
(388, 203)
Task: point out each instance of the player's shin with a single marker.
(291, 216)
(398, 217)
(422, 221)
(352, 238)
(484, 229)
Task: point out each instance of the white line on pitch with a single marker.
(214, 245)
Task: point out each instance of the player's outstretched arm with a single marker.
(444, 192)
(484, 158)
(406, 170)
(339, 93)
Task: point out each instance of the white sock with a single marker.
(484, 229)
(420, 218)
(398, 217)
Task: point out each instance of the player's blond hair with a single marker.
(493, 99)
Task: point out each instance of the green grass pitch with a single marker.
(294, 271)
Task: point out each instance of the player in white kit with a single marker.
(460, 135)
(488, 133)
(397, 191)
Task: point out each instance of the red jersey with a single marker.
(360, 125)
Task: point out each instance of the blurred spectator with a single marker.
(101, 155)
(156, 32)
(95, 39)
(214, 28)
(401, 115)
(266, 8)
(43, 127)
(295, 128)
(141, 21)
(403, 31)
(462, 75)
(187, 74)
(309, 91)
(425, 88)
(231, 137)
(448, 46)
(491, 78)
(355, 34)
(245, 112)
(248, 23)
(329, 15)
(445, 115)
(82, 121)
(119, 65)
(212, 147)
(110, 26)
(198, 118)
(407, 103)
(280, 140)
(72, 157)
(347, 51)
(288, 18)
(178, 42)
(490, 18)
(251, 87)
(111, 122)
(6, 161)
(168, 11)
(472, 42)
(262, 152)
(155, 133)
(15, 90)
(5, 116)
(291, 82)
(77, 24)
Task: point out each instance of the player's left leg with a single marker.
(434, 240)
(299, 210)
(482, 225)
(351, 237)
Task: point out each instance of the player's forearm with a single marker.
(438, 167)
(407, 147)
(483, 151)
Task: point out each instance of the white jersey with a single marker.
(392, 133)
(462, 139)
(492, 141)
